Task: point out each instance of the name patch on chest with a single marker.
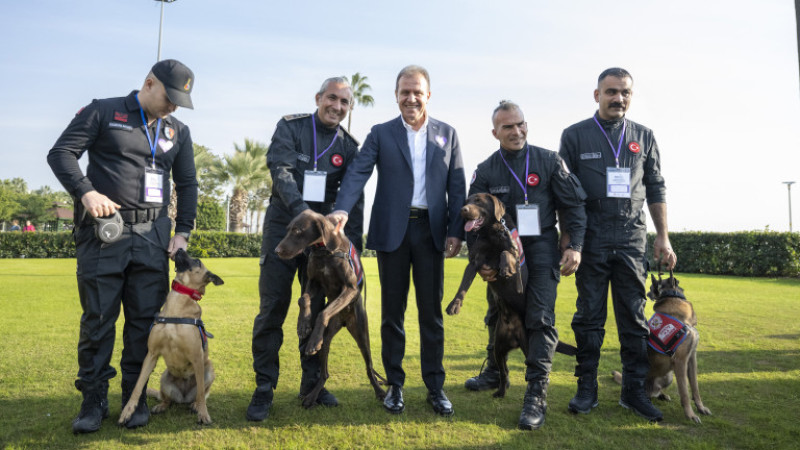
(596, 155)
(498, 190)
(120, 126)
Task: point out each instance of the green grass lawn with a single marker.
(749, 362)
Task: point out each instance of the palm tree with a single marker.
(246, 171)
(360, 96)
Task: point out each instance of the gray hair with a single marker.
(505, 105)
(412, 70)
(335, 80)
(617, 72)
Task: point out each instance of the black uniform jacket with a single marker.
(615, 221)
(113, 133)
(291, 153)
(548, 184)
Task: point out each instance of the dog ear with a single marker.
(653, 294)
(214, 279)
(326, 230)
(499, 209)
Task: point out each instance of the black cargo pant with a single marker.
(275, 290)
(626, 271)
(132, 272)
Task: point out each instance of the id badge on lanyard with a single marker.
(314, 186)
(618, 182)
(153, 185)
(528, 220)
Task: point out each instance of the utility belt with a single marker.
(132, 216)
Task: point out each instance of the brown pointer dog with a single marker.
(670, 300)
(494, 247)
(329, 272)
(179, 336)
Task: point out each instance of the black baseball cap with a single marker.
(178, 81)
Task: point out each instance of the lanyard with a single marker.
(153, 141)
(527, 165)
(621, 138)
(314, 127)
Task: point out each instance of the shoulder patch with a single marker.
(345, 134)
(289, 117)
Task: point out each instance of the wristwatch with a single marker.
(185, 234)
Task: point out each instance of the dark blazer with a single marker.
(386, 147)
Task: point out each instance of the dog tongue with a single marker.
(472, 224)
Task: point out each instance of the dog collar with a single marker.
(181, 289)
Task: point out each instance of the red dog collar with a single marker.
(181, 289)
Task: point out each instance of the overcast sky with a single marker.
(717, 81)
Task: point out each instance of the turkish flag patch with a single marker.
(533, 179)
(634, 147)
(337, 160)
(119, 117)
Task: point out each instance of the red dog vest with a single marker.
(666, 333)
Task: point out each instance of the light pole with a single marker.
(161, 26)
(789, 187)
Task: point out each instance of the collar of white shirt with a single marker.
(410, 129)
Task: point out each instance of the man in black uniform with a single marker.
(307, 159)
(133, 144)
(533, 183)
(618, 163)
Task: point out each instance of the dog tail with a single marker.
(617, 376)
(154, 393)
(566, 349)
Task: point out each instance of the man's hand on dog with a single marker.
(176, 243)
(339, 218)
(98, 205)
(570, 260)
(663, 253)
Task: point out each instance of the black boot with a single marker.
(94, 407)
(325, 398)
(258, 409)
(141, 415)
(534, 405)
(635, 398)
(489, 376)
(586, 397)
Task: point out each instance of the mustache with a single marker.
(617, 105)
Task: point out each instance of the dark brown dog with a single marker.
(670, 300)
(178, 335)
(494, 247)
(331, 272)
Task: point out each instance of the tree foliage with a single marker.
(360, 96)
(245, 172)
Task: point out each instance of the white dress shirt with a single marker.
(417, 144)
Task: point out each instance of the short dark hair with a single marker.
(412, 70)
(617, 72)
(505, 105)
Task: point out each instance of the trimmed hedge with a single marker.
(749, 253)
(745, 253)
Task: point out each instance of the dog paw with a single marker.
(664, 397)
(499, 394)
(454, 307)
(703, 410)
(313, 347)
(204, 419)
(695, 419)
(158, 409)
(126, 414)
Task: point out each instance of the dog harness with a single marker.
(517, 241)
(351, 256)
(666, 333)
(204, 335)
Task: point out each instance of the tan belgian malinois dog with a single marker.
(672, 347)
(179, 336)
